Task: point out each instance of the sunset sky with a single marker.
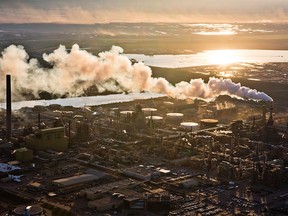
(103, 11)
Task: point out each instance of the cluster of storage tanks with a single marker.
(172, 118)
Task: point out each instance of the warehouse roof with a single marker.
(7, 167)
(73, 180)
(97, 173)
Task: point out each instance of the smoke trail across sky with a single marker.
(75, 71)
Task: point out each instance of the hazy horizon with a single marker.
(181, 11)
(144, 22)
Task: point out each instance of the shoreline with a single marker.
(212, 58)
(278, 91)
(84, 101)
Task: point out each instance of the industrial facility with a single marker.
(147, 157)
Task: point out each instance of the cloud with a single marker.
(74, 72)
(99, 11)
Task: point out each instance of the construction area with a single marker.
(148, 157)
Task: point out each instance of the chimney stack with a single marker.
(8, 108)
(39, 121)
(270, 120)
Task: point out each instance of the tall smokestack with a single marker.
(270, 120)
(39, 121)
(264, 110)
(69, 132)
(8, 107)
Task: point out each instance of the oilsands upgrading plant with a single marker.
(147, 157)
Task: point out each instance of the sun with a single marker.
(223, 57)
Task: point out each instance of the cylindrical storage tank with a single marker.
(155, 120)
(174, 117)
(209, 123)
(202, 108)
(28, 210)
(168, 103)
(114, 111)
(126, 115)
(149, 111)
(126, 112)
(168, 106)
(191, 126)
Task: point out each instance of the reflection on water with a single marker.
(223, 57)
(226, 32)
(212, 57)
(256, 65)
(213, 29)
(267, 72)
(254, 79)
(223, 29)
(225, 74)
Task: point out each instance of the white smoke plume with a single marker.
(75, 71)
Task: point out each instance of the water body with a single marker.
(212, 57)
(85, 101)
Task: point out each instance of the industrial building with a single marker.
(23, 154)
(97, 191)
(189, 183)
(74, 180)
(105, 203)
(157, 200)
(141, 173)
(6, 168)
(119, 155)
(51, 138)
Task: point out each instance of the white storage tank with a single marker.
(149, 111)
(168, 103)
(191, 126)
(126, 114)
(209, 123)
(174, 116)
(156, 119)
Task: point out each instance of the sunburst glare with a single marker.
(223, 57)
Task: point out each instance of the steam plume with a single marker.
(73, 72)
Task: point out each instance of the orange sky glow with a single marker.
(100, 11)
